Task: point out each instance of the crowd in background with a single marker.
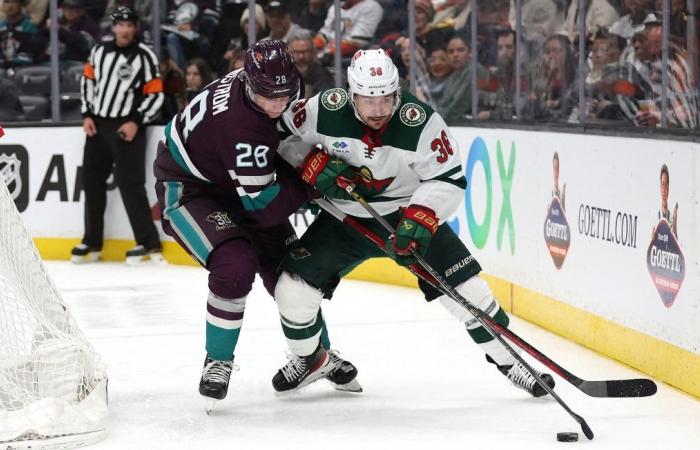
(621, 76)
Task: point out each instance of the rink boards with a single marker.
(596, 264)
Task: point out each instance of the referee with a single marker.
(121, 91)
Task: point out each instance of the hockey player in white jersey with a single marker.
(403, 160)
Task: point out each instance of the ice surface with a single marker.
(427, 386)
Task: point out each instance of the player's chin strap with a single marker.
(423, 270)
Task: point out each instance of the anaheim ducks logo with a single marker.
(334, 99)
(412, 114)
(369, 186)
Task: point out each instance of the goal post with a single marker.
(53, 385)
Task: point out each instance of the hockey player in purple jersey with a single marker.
(226, 197)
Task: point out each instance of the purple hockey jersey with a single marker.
(221, 141)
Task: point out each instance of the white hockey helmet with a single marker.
(372, 73)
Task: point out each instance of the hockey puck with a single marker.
(567, 437)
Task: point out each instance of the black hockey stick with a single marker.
(637, 387)
(495, 329)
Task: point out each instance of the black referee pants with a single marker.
(104, 151)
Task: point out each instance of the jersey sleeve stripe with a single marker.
(453, 176)
(259, 200)
(258, 180)
(179, 152)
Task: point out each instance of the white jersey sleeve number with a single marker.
(248, 157)
(198, 106)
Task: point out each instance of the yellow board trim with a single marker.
(659, 359)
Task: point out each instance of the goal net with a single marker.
(53, 385)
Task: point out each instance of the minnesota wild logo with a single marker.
(334, 99)
(370, 186)
(412, 114)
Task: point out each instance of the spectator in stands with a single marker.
(279, 21)
(191, 29)
(454, 16)
(20, 41)
(237, 60)
(678, 20)
(405, 74)
(681, 101)
(311, 15)
(316, 77)
(173, 87)
(599, 14)
(541, 19)
(553, 82)
(601, 101)
(428, 35)
(633, 87)
(456, 102)
(359, 20)
(197, 75)
(492, 18)
(259, 26)
(37, 10)
(440, 69)
(10, 106)
(632, 22)
(504, 75)
(76, 31)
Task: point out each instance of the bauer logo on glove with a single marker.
(413, 233)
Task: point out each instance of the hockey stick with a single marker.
(637, 387)
(436, 280)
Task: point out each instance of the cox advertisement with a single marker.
(605, 224)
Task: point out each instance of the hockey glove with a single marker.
(322, 171)
(413, 234)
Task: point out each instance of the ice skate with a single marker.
(301, 371)
(81, 254)
(344, 376)
(140, 254)
(522, 379)
(214, 381)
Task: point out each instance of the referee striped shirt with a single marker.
(121, 82)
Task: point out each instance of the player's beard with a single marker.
(376, 122)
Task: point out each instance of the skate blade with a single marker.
(211, 403)
(86, 259)
(353, 386)
(152, 258)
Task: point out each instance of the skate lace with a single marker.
(218, 371)
(521, 377)
(335, 359)
(294, 368)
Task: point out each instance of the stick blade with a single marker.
(639, 387)
(586, 429)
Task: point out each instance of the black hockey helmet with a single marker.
(124, 14)
(270, 69)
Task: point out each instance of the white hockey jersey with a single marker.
(415, 160)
